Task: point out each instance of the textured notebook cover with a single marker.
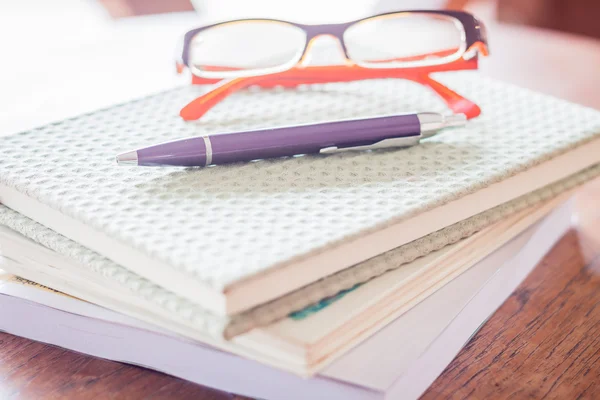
(205, 322)
(223, 224)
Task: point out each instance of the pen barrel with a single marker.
(279, 142)
(309, 139)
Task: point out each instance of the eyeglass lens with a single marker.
(255, 47)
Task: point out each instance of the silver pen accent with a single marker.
(208, 146)
(431, 124)
(129, 158)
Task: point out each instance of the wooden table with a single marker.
(544, 342)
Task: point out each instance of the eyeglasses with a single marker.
(268, 53)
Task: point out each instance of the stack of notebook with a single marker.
(292, 264)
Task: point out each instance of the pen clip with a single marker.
(382, 144)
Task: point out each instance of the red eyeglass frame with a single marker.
(306, 75)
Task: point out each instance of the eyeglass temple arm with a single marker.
(200, 106)
(457, 103)
(327, 74)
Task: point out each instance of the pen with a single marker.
(327, 137)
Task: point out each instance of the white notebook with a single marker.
(230, 238)
(399, 361)
(303, 345)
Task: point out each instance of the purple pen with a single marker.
(327, 137)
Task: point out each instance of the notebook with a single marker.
(300, 345)
(388, 365)
(230, 238)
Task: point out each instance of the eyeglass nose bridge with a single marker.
(314, 32)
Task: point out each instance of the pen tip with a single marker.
(129, 158)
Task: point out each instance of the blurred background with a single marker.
(65, 57)
(575, 16)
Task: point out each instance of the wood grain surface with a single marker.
(543, 343)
